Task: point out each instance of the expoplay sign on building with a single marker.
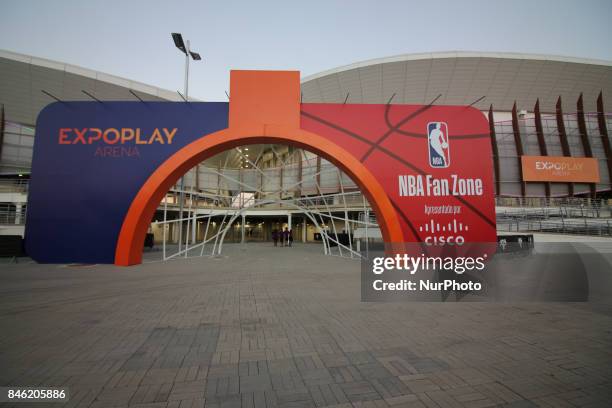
(560, 169)
(100, 170)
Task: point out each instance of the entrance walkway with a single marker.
(266, 327)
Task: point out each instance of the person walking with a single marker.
(275, 237)
(286, 237)
(290, 237)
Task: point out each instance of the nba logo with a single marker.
(437, 140)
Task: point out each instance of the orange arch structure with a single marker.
(142, 209)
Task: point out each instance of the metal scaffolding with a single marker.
(239, 193)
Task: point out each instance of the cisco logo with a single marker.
(444, 234)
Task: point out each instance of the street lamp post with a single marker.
(185, 49)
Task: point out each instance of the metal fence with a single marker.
(585, 226)
(551, 202)
(17, 185)
(10, 216)
(566, 207)
(563, 215)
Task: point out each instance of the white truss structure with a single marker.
(315, 208)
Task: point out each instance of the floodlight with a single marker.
(178, 41)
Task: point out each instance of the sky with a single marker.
(132, 38)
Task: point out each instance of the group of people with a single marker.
(285, 237)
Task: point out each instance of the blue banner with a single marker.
(90, 159)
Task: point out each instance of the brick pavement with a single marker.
(284, 327)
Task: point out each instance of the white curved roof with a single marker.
(460, 77)
(463, 77)
(23, 77)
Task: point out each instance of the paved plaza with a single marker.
(284, 327)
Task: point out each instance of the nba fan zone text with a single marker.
(415, 186)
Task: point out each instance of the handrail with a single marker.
(14, 185)
(10, 216)
(598, 227)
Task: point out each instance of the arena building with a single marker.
(537, 105)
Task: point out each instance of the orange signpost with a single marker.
(560, 169)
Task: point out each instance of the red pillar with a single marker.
(603, 131)
(586, 144)
(495, 151)
(1, 128)
(563, 139)
(541, 140)
(519, 146)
